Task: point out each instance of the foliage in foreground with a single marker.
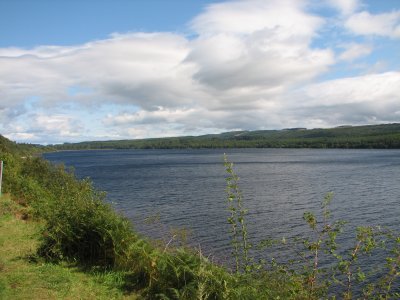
(24, 275)
(342, 274)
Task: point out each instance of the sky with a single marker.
(88, 70)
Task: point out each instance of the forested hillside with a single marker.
(371, 136)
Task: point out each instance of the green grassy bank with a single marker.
(25, 275)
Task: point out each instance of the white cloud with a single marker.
(384, 24)
(123, 68)
(257, 44)
(43, 128)
(354, 51)
(247, 17)
(346, 7)
(376, 88)
(58, 124)
(372, 98)
(161, 115)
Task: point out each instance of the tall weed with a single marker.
(305, 277)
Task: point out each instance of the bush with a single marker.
(88, 231)
(80, 226)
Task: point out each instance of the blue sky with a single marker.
(98, 70)
(26, 23)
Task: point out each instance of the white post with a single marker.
(1, 174)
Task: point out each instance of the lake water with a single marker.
(165, 190)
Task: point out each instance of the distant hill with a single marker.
(7, 146)
(386, 136)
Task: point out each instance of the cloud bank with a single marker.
(246, 65)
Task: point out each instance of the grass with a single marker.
(25, 276)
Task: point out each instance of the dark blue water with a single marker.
(185, 189)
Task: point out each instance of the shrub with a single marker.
(80, 226)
